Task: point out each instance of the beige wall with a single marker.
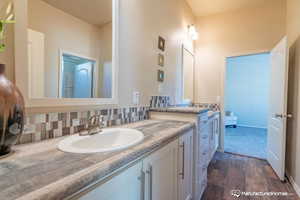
(106, 39)
(236, 33)
(141, 22)
(293, 131)
(62, 31)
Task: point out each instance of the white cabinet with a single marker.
(166, 174)
(204, 158)
(162, 174)
(126, 185)
(214, 134)
(185, 182)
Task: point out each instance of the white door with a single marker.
(83, 81)
(36, 62)
(161, 173)
(278, 108)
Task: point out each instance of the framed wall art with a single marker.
(161, 43)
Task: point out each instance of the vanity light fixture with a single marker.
(192, 31)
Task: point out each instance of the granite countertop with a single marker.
(41, 172)
(212, 113)
(192, 110)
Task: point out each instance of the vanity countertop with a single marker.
(41, 172)
(192, 110)
(212, 113)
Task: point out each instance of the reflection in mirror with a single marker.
(7, 55)
(70, 48)
(77, 77)
(188, 75)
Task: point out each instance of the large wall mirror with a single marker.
(71, 51)
(188, 72)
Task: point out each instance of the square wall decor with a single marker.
(161, 43)
(161, 60)
(160, 76)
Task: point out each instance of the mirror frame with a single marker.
(21, 63)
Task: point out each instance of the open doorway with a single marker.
(247, 91)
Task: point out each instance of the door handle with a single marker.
(288, 116)
(150, 173)
(278, 115)
(283, 116)
(183, 158)
(142, 179)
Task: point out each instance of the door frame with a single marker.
(223, 92)
(63, 52)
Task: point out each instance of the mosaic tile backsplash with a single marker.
(210, 106)
(165, 101)
(45, 126)
(160, 101)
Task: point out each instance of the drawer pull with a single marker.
(142, 179)
(204, 137)
(204, 153)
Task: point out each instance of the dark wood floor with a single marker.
(229, 172)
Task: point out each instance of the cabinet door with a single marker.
(161, 173)
(217, 132)
(186, 166)
(211, 139)
(127, 185)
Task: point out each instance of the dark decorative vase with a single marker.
(11, 113)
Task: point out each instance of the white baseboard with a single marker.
(242, 125)
(294, 184)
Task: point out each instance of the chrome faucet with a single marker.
(94, 126)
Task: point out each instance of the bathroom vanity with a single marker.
(68, 72)
(206, 138)
(164, 174)
(159, 167)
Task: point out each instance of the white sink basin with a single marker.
(106, 141)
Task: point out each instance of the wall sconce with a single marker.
(193, 32)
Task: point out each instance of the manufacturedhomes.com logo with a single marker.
(238, 193)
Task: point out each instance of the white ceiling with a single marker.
(211, 7)
(96, 12)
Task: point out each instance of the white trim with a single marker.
(21, 63)
(223, 86)
(61, 68)
(293, 183)
(243, 125)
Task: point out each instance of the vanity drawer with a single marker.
(202, 121)
(204, 141)
(203, 159)
(203, 185)
(204, 149)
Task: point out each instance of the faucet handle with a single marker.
(101, 120)
(92, 120)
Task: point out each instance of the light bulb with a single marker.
(193, 32)
(9, 8)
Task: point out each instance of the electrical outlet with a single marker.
(136, 98)
(160, 88)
